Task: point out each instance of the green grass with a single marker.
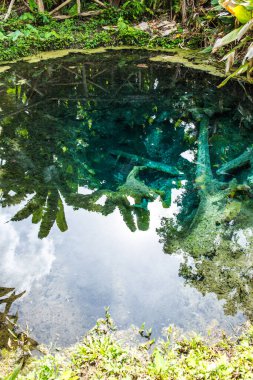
(101, 356)
(24, 36)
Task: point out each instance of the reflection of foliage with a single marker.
(52, 143)
(45, 209)
(216, 239)
(63, 122)
(10, 335)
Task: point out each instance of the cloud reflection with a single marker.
(24, 258)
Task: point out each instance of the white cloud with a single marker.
(24, 258)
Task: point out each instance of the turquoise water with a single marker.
(98, 157)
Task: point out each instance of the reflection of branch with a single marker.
(159, 166)
(23, 109)
(97, 85)
(31, 86)
(237, 162)
(84, 78)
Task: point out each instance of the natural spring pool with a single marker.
(114, 191)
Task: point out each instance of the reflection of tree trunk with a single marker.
(204, 175)
(209, 194)
(84, 78)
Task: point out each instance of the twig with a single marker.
(60, 7)
(83, 14)
(100, 3)
(27, 6)
(9, 10)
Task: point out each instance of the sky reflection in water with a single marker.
(71, 277)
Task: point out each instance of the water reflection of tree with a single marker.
(213, 230)
(67, 118)
(56, 140)
(10, 334)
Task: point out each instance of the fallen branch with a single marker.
(9, 10)
(83, 14)
(60, 7)
(100, 3)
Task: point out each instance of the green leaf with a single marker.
(31, 206)
(15, 373)
(230, 37)
(15, 35)
(242, 69)
(37, 215)
(2, 36)
(32, 5)
(27, 16)
(160, 363)
(60, 217)
(50, 213)
(249, 54)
